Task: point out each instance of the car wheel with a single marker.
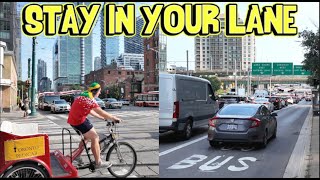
(214, 144)
(264, 142)
(187, 132)
(274, 135)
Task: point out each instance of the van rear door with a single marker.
(166, 99)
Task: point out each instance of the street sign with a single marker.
(298, 70)
(261, 68)
(282, 69)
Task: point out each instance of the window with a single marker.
(5, 35)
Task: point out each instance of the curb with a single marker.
(297, 165)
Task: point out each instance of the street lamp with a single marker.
(33, 81)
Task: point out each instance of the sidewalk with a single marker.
(313, 164)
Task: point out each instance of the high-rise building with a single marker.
(97, 63)
(41, 70)
(45, 84)
(131, 61)
(248, 52)
(10, 31)
(218, 53)
(134, 44)
(66, 60)
(8, 24)
(109, 50)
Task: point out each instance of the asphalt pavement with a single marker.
(196, 158)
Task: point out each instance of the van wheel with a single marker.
(187, 130)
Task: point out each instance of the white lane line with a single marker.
(52, 117)
(181, 146)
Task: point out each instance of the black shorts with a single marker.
(84, 127)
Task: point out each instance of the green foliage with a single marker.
(114, 91)
(215, 82)
(311, 62)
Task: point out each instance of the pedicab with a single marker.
(26, 153)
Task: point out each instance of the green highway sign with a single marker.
(261, 68)
(282, 69)
(298, 70)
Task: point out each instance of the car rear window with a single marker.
(238, 110)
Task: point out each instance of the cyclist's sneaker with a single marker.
(104, 164)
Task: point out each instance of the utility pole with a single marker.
(29, 66)
(187, 64)
(33, 81)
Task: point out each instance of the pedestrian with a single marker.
(26, 107)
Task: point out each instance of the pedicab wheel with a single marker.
(123, 158)
(26, 171)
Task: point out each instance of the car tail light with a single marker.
(212, 121)
(256, 122)
(176, 109)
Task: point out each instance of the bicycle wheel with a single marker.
(26, 171)
(123, 158)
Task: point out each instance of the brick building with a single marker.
(130, 81)
(151, 63)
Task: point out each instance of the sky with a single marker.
(268, 48)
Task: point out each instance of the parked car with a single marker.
(185, 102)
(125, 102)
(100, 103)
(60, 106)
(112, 103)
(242, 123)
(276, 102)
(264, 101)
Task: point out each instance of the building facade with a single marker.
(131, 61)
(8, 80)
(248, 52)
(41, 71)
(97, 63)
(10, 31)
(218, 53)
(66, 61)
(128, 80)
(45, 85)
(134, 44)
(151, 62)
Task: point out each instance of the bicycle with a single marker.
(120, 154)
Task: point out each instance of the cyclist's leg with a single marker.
(95, 147)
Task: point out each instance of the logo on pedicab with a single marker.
(24, 148)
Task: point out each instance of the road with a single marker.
(196, 158)
(139, 128)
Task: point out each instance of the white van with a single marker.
(260, 93)
(185, 102)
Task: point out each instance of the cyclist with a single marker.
(82, 106)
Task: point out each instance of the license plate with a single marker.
(232, 127)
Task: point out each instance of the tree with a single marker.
(114, 91)
(311, 62)
(75, 87)
(215, 82)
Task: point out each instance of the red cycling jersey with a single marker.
(80, 109)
